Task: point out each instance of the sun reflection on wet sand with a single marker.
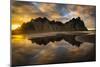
(26, 52)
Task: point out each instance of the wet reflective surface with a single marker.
(26, 52)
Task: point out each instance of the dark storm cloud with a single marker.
(87, 13)
(62, 12)
(61, 8)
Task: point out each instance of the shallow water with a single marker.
(24, 52)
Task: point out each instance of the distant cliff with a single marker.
(39, 25)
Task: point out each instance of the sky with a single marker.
(23, 12)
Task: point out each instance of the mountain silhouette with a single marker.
(39, 25)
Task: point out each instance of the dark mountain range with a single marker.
(39, 25)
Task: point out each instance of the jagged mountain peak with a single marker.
(45, 25)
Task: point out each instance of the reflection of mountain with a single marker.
(44, 25)
(72, 39)
(58, 37)
(27, 53)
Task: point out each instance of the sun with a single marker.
(15, 26)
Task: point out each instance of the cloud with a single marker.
(25, 11)
(87, 13)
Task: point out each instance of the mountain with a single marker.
(39, 25)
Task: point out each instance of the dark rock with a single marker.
(39, 25)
